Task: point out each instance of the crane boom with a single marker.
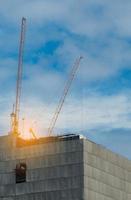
(64, 94)
(19, 78)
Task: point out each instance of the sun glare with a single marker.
(28, 129)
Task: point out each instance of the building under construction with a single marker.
(67, 167)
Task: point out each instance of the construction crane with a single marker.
(16, 107)
(33, 133)
(64, 94)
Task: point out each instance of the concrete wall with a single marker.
(54, 171)
(107, 176)
(65, 170)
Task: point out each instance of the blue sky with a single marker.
(99, 102)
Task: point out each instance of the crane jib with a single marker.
(64, 94)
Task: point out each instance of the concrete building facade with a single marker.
(63, 168)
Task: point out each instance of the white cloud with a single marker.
(93, 19)
(99, 30)
(77, 115)
(81, 115)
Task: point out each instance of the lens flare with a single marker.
(28, 129)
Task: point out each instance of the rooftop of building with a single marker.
(18, 142)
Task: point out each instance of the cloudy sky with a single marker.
(99, 102)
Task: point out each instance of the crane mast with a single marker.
(16, 110)
(64, 94)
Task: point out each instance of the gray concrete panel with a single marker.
(64, 170)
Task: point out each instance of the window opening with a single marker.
(20, 172)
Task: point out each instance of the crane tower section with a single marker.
(15, 114)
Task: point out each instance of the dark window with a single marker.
(20, 172)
